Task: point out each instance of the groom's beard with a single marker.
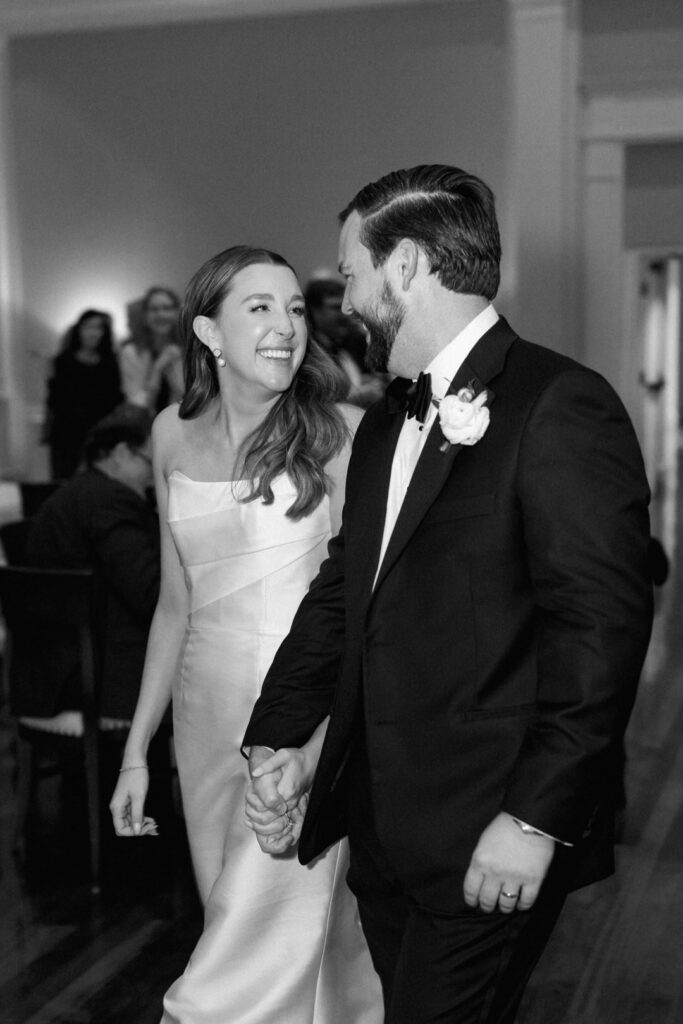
(383, 324)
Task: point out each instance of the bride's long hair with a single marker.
(304, 428)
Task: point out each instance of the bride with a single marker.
(249, 472)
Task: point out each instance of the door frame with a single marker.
(610, 123)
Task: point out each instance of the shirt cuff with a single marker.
(531, 831)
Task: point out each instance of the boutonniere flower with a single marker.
(463, 418)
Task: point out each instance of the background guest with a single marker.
(342, 339)
(101, 519)
(85, 385)
(151, 359)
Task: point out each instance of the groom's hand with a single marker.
(293, 771)
(507, 867)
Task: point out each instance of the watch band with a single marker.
(528, 830)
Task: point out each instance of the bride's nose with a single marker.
(284, 326)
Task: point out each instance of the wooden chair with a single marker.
(38, 603)
(14, 538)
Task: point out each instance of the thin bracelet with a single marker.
(133, 768)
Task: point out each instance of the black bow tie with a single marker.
(412, 396)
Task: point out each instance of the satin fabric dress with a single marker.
(282, 943)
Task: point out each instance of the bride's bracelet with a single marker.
(133, 768)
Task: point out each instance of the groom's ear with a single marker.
(405, 260)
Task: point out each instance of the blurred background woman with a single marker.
(151, 359)
(85, 385)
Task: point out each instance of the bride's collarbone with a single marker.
(204, 452)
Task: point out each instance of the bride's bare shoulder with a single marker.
(170, 435)
(168, 425)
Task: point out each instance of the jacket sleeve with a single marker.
(299, 688)
(583, 497)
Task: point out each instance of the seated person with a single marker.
(101, 519)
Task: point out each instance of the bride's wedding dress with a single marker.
(281, 944)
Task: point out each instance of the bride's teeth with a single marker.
(275, 353)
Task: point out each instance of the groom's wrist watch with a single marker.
(529, 830)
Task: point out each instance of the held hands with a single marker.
(277, 798)
(507, 867)
(128, 802)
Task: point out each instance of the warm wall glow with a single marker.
(98, 290)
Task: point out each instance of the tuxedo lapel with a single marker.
(484, 363)
(371, 490)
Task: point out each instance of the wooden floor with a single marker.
(67, 957)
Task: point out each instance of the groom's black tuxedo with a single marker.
(494, 664)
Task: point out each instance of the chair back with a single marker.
(14, 540)
(47, 597)
(35, 493)
(41, 607)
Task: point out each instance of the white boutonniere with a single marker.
(463, 418)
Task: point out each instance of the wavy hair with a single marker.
(304, 428)
(71, 342)
(450, 213)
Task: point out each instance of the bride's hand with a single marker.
(282, 833)
(128, 803)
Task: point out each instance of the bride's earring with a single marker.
(219, 356)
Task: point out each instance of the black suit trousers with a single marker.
(439, 968)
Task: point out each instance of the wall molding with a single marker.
(641, 82)
(644, 117)
(43, 17)
(541, 9)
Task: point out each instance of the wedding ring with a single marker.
(509, 895)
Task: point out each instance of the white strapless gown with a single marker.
(282, 943)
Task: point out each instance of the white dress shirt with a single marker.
(411, 440)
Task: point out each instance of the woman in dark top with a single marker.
(85, 385)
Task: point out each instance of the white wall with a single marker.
(141, 153)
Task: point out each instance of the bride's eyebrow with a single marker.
(297, 297)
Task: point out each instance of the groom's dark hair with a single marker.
(449, 213)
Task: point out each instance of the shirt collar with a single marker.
(448, 361)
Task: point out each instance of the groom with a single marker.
(477, 631)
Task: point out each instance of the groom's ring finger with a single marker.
(508, 900)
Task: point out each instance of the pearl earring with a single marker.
(219, 356)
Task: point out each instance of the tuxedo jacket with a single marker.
(494, 664)
(96, 522)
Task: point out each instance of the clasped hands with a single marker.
(277, 796)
